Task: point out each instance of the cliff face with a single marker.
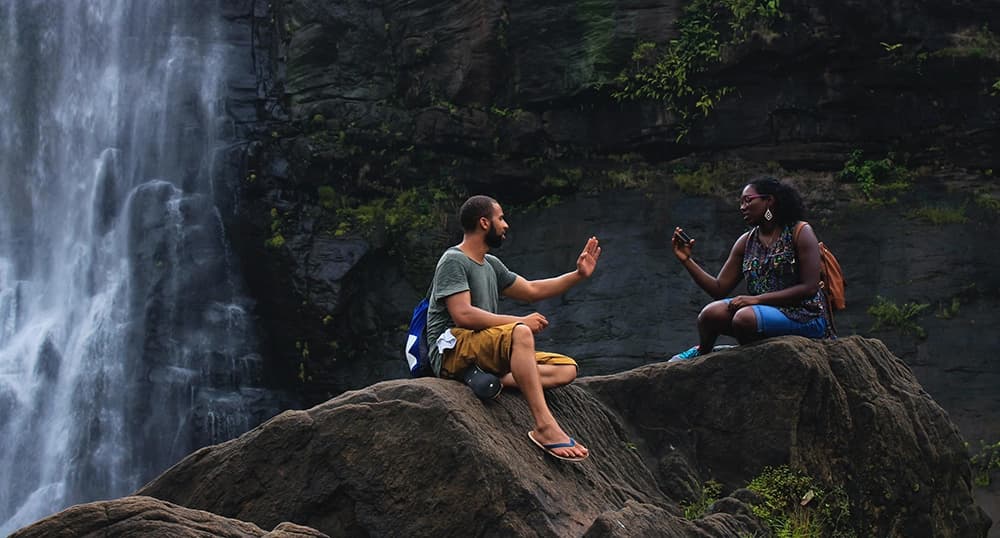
(424, 457)
(376, 121)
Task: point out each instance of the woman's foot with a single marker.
(685, 355)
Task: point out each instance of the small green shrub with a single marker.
(709, 179)
(988, 202)
(889, 315)
(632, 178)
(875, 177)
(939, 215)
(327, 196)
(796, 505)
(973, 43)
(950, 311)
(709, 494)
(672, 72)
(277, 240)
(995, 88)
(985, 463)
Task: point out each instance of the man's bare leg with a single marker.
(525, 372)
(551, 376)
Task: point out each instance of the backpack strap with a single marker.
(798, 228)
(831, 328)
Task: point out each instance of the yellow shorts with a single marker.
(490, 349)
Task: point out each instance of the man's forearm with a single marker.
(555, 286)
(476, 319)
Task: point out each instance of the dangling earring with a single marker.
(768, 215)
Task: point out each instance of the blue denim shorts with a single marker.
(772, 322)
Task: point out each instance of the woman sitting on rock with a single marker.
(781, 266)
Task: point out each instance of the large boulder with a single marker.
(424, 457)
(151, 518)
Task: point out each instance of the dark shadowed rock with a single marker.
(847, 411)
(153, 518)
(425, 457)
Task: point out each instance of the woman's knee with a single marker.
(745, 321)
(714, 312)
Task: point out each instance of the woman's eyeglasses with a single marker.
(751, 197)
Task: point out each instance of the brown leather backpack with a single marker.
(830, 275)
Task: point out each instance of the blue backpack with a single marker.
(415, 350)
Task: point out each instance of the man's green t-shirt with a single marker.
(456, 273)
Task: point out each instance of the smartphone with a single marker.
(684, 237)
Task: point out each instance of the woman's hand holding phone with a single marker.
(682, 244)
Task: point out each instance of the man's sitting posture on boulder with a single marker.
(465, 331)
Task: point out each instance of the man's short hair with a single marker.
(473, 209)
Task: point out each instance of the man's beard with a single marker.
(493, 239)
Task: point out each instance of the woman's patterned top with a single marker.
(775, 268)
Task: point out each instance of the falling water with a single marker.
(124, 340)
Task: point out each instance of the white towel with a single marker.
(445, 341)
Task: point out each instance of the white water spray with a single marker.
(124, 340)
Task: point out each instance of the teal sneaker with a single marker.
(685, 355)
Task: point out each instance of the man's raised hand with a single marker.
(587, 261)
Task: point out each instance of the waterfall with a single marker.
(125, 342)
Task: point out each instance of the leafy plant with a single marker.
(875, 177)
(671, 73)
(709, 494)
(889, 315)
(709, 178)
(796, 505)
(995, 88)
(408, 210)
(277, 240)
(630, 178)
(973, 43)
(939, 215)
(950, 311)
(988, 202)
(985, 463)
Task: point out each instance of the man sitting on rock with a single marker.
(466, 336)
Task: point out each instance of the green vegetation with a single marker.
(948, 311)
(565, 179)
(277, 240)
(995, 88)
(891, 47)
(889, 315)
(709, 179)
(797, 506)
(985, 463)
(632, 178)
(988, 202)
(876, 178)
(973, 43)
(327, 196)
(409, 211)
(672, 73)
(939, 215)
(709, 494)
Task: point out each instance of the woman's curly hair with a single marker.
(788, 208)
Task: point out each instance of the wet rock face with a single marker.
(387, 459)
(820, 75)
(514, 101)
